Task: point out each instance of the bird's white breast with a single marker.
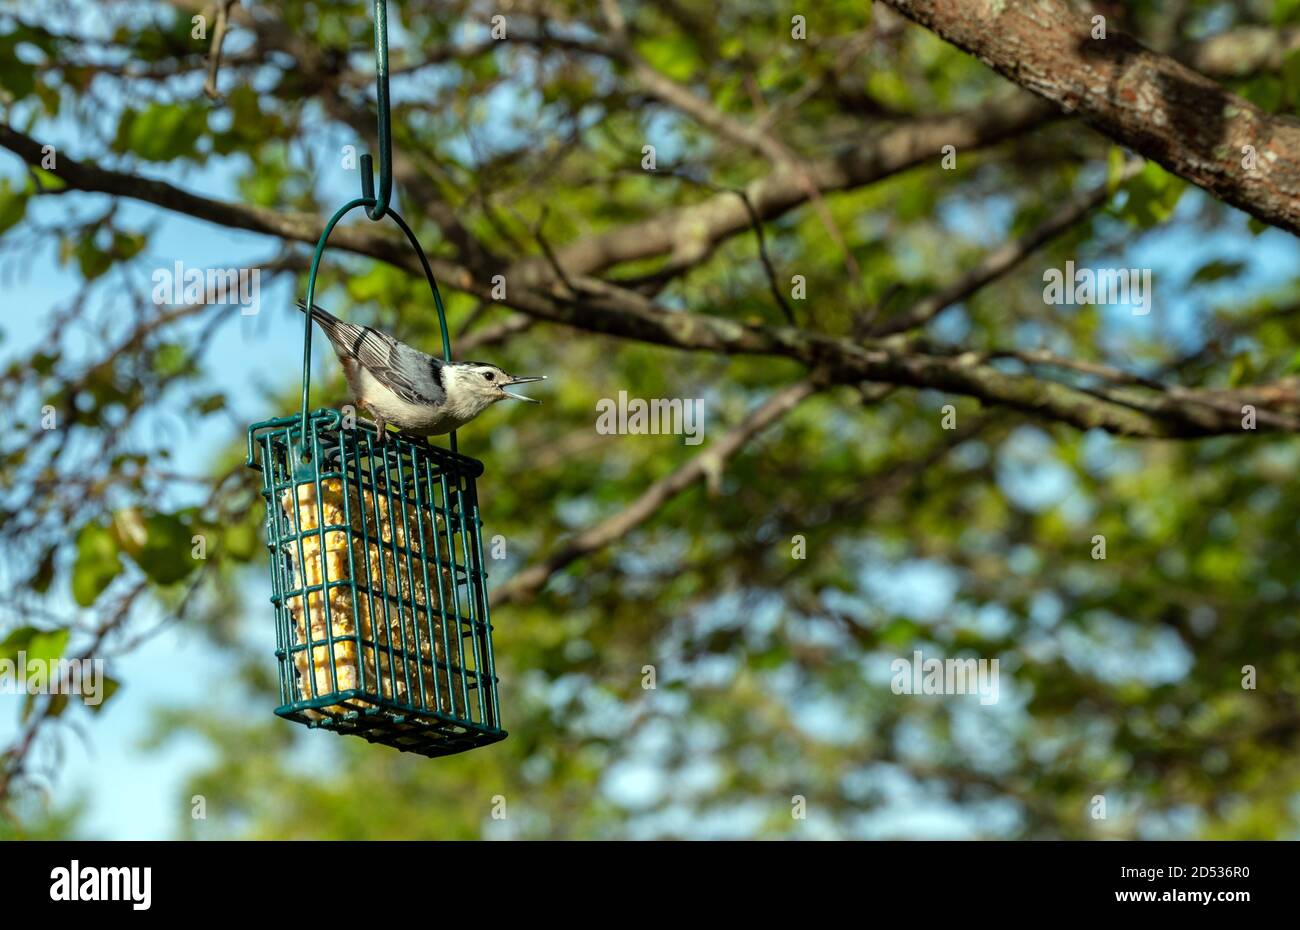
(417, 419)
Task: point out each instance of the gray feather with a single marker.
(409, 373)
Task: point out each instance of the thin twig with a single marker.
(766, 259)
(545, 246)
(756, 222)
(1003, 259)
(214, 55)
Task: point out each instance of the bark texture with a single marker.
(1140, 98)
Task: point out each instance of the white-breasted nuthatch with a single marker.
(418, 393)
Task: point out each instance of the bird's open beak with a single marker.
(531, 400)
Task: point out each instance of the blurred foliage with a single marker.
(1120, 677)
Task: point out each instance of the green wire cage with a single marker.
(376, 553)
(381, 611)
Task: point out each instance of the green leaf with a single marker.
(58, 704)
(670, 54)
(162, 131)
(210, 403)
(889, 88)
(1153, 194)
(42, 363)
(111, 687)
(50, 98)
(49, 181)
(13, 206)
(127, 245)
(96, 565)
(16, 76)
(17, 641)
(48, 647)
(1242, 370)
(92, 260)
(899, 632)
(241, 541)
(245, 109)
(1291, 76)
(160, 543)
(1265, 91)
(170, 360)
(44, 574)
(1286, 11)
(1115, 162)
(1217, 270)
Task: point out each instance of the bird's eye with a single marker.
(489, 375)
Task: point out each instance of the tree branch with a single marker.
(369, 239)
(689, 234)
(603, 308)
(1139, 98)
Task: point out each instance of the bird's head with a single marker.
(485, 384)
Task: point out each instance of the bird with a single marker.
(420, 394)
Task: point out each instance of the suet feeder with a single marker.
(381, 606)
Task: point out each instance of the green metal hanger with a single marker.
(377, 207)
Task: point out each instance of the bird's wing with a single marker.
(392, 364)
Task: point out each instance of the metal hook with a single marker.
(380, 207)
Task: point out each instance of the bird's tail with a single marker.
(346, 337)
(318, 313)
(341, 334)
